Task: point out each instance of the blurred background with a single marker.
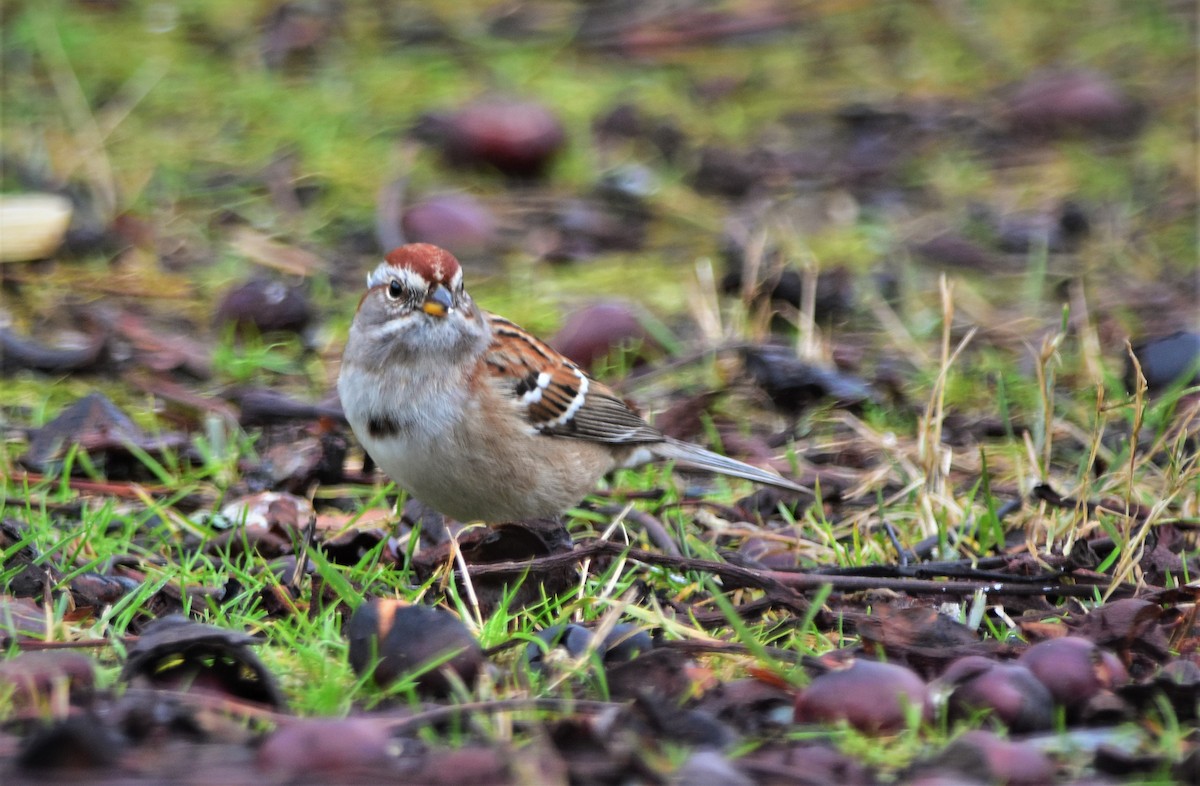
(768, 223)
(669, 173)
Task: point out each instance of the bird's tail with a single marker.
(695, 457)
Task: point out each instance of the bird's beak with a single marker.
(439, 302)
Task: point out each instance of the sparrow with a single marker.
(474, 416)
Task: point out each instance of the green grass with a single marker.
(177, 116)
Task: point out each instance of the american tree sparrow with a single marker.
(476, 417)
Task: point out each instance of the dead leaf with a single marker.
(175, 653)
(262, 250)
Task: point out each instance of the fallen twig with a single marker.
(785, 585)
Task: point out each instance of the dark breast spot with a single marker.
(384, 426)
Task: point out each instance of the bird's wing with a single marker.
(555, 396)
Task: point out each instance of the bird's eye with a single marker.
(394, 290)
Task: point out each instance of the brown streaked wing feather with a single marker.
(565, 402)
(606, 418)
